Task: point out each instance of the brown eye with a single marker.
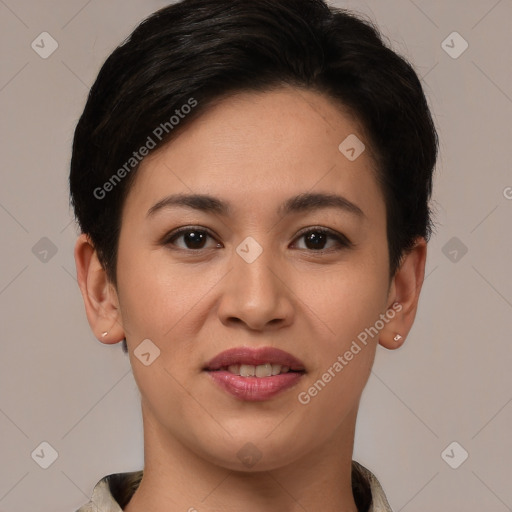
(316, 239)
(191, 238)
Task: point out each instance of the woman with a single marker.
(252, 183)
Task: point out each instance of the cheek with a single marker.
(348, 303)
(155, 293)
(347, 299)
(156, 300)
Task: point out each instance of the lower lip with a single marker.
(254, 389)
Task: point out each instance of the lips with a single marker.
(255, 374)
(254, 357)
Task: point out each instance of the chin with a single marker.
(252, 454)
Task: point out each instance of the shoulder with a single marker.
(379, 502)
(113, 492)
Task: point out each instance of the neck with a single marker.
(177, 478)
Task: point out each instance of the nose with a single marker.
(256, 294)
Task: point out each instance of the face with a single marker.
(288, 252)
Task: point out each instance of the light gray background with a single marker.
(451, 381)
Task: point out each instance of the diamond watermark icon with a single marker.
(44, 45)
(45, 455)
(454, 45)
(249, 455)
(249, 250)
(454, 249)
(352, 147)
(44, 250)
(454, 455)
(146, 352)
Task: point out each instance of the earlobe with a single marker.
(405, 290)
(99, 294)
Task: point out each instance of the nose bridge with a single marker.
(255, 293)
(253, 268)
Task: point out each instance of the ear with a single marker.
(404, 295)
(99, 294)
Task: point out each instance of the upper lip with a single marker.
(254, 356)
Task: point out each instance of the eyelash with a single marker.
(342, 241)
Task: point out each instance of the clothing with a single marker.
(114, 491)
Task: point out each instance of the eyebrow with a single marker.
(301, 203)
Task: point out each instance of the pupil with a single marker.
(195, 239)
(316, 240)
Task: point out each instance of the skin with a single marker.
(254, 151)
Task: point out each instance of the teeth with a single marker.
(234, 368)
(247, 370)
(264, 370)
(261, 370)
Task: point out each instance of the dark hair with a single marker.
(182, 58)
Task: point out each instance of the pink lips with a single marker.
(254, 356)
(254, 388)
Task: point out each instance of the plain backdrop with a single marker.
(450, 382)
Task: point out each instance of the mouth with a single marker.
(261, 370)
(255, 362)
(255, 374)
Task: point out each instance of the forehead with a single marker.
(262, 148)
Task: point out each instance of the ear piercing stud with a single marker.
(397, 337)
(104, 334)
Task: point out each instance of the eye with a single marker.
(193, 238)
(317, 238)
